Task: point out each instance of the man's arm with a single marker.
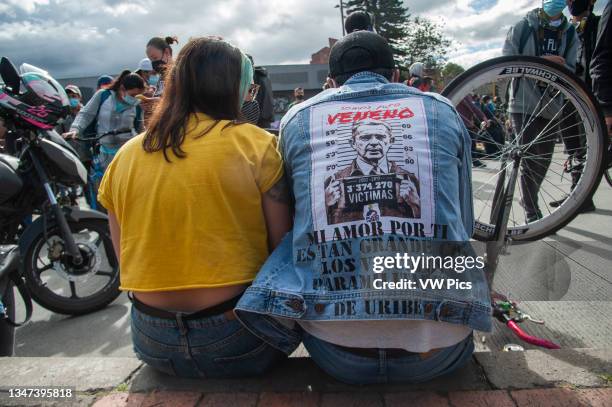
(601, 65)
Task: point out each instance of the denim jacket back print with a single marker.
(376, 169)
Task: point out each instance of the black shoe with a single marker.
(534, 217)
(556, 204)
(588, 206)
(478, 164)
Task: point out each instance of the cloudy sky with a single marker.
(82, 38)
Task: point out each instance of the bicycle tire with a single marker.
(505, 68)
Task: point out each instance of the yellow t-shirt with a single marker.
(196, 221)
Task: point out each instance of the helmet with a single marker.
(34, 96)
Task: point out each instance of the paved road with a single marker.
(566, 279)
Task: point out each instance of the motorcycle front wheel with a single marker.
(61, 286)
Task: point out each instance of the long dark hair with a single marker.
(204, 78)
(162, 43)
(129, 81)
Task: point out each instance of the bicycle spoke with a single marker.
(533, 116)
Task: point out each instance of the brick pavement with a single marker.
(550, 397)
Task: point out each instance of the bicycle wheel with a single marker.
(560, 134)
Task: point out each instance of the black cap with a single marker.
(360, 51)
(358, 20)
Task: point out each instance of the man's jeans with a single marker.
(210, 347)
(354, 369)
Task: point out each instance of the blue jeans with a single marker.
(354, 369)
(210, 347)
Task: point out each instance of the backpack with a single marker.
(91, 130)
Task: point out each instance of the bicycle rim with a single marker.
(565, 113)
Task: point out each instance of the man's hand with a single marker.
(555, 58)
(70, 135)
(408, 193)
(332, 193)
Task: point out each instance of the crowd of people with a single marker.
(236, 245)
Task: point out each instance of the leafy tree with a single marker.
(424, 42)
(389, 18)
(412, 39)
(451, 71)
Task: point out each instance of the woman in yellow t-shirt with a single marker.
(195, 206)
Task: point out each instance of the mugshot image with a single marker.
(372, 185)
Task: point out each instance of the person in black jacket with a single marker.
(572, 131)
(264, 98)
(601, 67)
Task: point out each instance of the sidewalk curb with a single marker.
(488, 370)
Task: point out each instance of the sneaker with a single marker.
(478, 164)
(556, 204)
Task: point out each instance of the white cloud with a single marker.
(28, 6)
(75, 38)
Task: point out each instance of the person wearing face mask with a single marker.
(544, 32)
(75, 97)
(112, 109)
(151, 78)
(159, 52)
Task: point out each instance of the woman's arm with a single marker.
(115, 232)
(87, 114)
(278, 212)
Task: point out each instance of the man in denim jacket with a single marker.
(356, 155)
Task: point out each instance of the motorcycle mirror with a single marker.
(9, 75)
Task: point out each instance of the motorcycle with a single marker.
(66, 253)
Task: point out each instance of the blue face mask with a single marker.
(130, 100)
(553, 7)
(74, 102)
(153, 80)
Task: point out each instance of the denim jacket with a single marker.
(374, 167)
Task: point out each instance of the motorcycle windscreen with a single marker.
(71, 168)
(9, 180)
